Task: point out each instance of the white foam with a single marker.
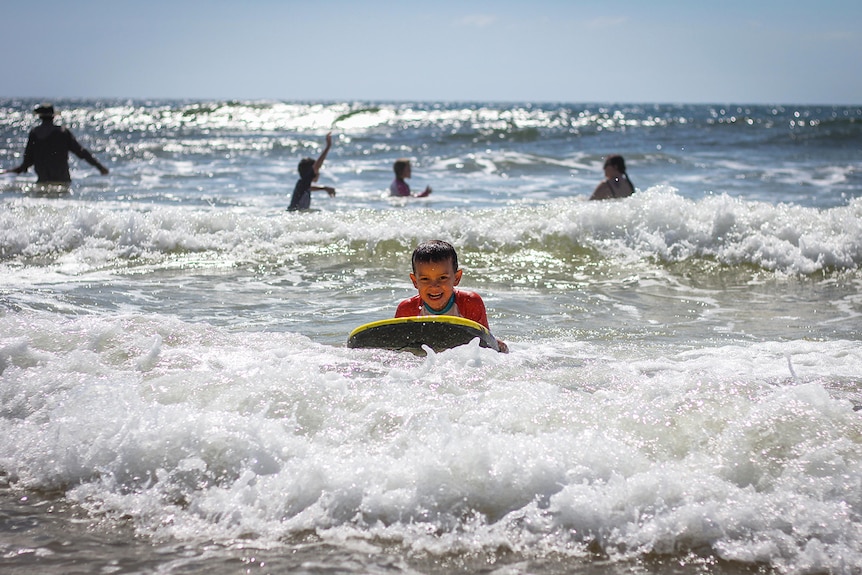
(653, 224)
(198, 433)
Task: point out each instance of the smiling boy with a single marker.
(435, 275)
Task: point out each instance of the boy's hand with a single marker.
(330, 190)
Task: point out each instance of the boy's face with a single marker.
(436, 282)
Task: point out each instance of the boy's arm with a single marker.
(471, 306)
(408, 307)
(474, 308)
(323, 154)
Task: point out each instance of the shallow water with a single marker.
(176, 395)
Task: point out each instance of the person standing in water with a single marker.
(48, 147)
(616, 183)
(309, 171)
(399, 187)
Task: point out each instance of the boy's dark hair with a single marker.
(434, 251)
(399, 166)
(306, 168)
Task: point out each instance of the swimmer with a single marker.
(309, 171)
(616, 183)
(399, 187)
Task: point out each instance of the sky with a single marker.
(591, 51)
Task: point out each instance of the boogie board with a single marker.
(439, 332)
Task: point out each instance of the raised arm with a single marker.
(323, 154)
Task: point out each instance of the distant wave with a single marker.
(518, 118)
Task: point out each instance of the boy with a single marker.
(399, 187)
(309, 171)
(435, 275)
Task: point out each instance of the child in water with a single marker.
(435, 275)
(399, 187)
(616, 183)
(309, 171)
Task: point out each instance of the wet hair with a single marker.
(399, 166)
(306, 168)
(434, 251)
(616, 161)
(619, 163)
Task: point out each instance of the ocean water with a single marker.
(176, 394)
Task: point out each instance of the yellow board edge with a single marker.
(452, 319)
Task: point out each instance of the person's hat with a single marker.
(43, 110)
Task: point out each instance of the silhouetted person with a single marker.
(48, 147)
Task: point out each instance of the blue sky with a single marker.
(769, 51)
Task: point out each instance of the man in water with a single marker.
(48, 147)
